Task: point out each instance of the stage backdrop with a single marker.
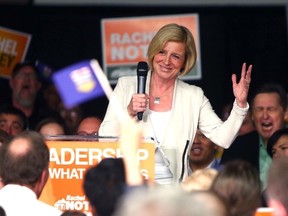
(69, 161)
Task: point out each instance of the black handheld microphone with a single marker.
(142, 70)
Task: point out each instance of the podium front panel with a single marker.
(69, 161)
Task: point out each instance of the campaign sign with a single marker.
(13, 48)
(69, 161)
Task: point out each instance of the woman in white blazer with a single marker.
(172, 108)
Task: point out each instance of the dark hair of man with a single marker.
(9, 109)
(49, 120)
(104, 184)
(2, 211)
(3, 136)
(24, 167)
(272, 88)
(274, 138)
(20, 65)
(72, 213)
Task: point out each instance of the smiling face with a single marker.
(170, 60)
(25, 86)
(202, 151)
(267, 114)
(280, 148)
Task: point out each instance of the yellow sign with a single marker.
(13, 48)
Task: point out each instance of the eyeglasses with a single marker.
(30, 75)
(83, 133)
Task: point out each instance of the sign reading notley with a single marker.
(126, 40)
(13, 48)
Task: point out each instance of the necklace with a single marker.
(166, 94)
(157, 100)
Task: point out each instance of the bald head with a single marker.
(23, 159)
(89, 126)
(19, 147)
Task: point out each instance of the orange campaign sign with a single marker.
(126, 40)
(13, 48)
(69, 161)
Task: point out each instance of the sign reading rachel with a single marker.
(13, 48)
(69, 161)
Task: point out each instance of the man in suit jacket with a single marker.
(202, 154)
(268, 109)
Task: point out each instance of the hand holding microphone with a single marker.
(142, 70)
(139, 100)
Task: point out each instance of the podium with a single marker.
(71, 156)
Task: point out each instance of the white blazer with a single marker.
(190, 109)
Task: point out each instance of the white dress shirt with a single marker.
(20, 200)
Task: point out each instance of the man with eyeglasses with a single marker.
(25, 84)
(89, 126)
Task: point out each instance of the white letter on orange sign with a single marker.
(142, 154)
(65, 153)
(54, 156)
(81, 153)
(94, 154)
(115, 38)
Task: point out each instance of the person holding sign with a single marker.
(172, 109)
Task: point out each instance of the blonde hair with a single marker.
(199, 180)
(176, 33)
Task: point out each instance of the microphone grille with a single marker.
(142, 68)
